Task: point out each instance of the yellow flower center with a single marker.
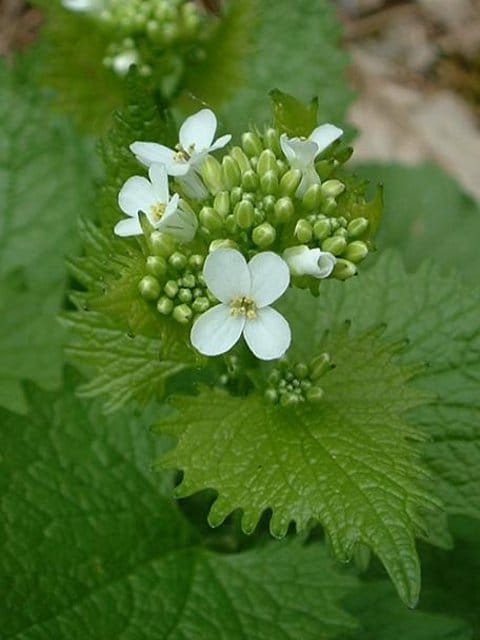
(243, 306)
(157, 211)
(183, 155)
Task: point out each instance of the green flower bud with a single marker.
(341, 232)
(289, 182)
(314, 394)
(357, 227)
(269, 183)
(356, 251)
(303, 231)
(301, 370)
(178, 261)
(210, 219)
(335, 245)
(269, 203)
(329, 206)
(189, 280)
(185, 295)
(251, 143)
(165, 306)
(289, 400)
(231, 172)
(221, 203)
(264, 235)
(271, 138)
(171, 288)
(305, 385)
(250, 180)
(230, 224)
(196, 261)
(282, 167)
(149, 288)
(212, 174)
(344, 269)
(222, 243)
(244, 214)
(313, 197)
(267, 161)
(333, 188)
(182, 314)
(241, 159)
(284, 210)
(162, 244)
(200, 305)
(156, 266)
(258, 217)
(271, 396)
(322, 229)
(320, 365)
(235, 195)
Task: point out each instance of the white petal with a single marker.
(309, 177)
(149, 152)
(159, 179)
(198, 130)
(324, 135)
(216, 331)
(78, 5)
(129, 227)
(270, 277)
(193, 186)
(309, 262)
(305, 152)
(286, 148)
(221, 142)
(180, 224)
(136, 195)
(268, 335)
(226, 274)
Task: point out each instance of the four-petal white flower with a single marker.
(301, 154)
(153, 198)
(245, 292)
(195, 143)
(303, 261)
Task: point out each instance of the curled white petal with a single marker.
(220, 142)
(324, 135)
(303, 261)
(149, 153)
(136, 195)
(128, 227)
(226, 274)
(216, 331)
(270, 278)
(268, 335)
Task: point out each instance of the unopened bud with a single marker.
(171, 288)
(185, 295)
(189, 281)
(271, 396)
(320, 365)
(357, 227)
(267, 161)
(251, 143)
(230, 224)
(240, 158)
(235, 195)
(196, 261)
(212, 174)
(303, 231)
(178, 261)
(269, 203)
(322, 229)
(200, 304)
(149, 288)
(231, 172)
(356, 251)
(333, 188)
(244, 214)
(162, 244)
(314, 394)
(313, 197)
(156, 266)
(250, 180)
(335, 245)
(289, 182)
(165, 306)
(284, 210)
(221, 203)
(182, 313)
(289, 400)
(301, 370)
(344, 269)
(341, 232)
(264, 235)
(222, 243)
(271, 138)
(329, 206)
(210, 219)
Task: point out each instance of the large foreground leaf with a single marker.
(92, 548)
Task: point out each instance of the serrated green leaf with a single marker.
(295, 48)
(346, 462)
(427, 215)
(92, 548)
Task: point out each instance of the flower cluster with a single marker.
(292, 385)
(141, 26)
(226, 238)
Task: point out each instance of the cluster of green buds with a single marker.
(173, 280)
(290, 385)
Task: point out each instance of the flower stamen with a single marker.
(243, 306)
(157, 210)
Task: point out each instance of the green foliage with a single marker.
(38, 229)
(347, 462)
(295, 49)
(106, 554)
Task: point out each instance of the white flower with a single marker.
(153, 198)
(303, 261)
(244, 291)
(122, 62)
(196, 142)
(80, 5)
(301, 154)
